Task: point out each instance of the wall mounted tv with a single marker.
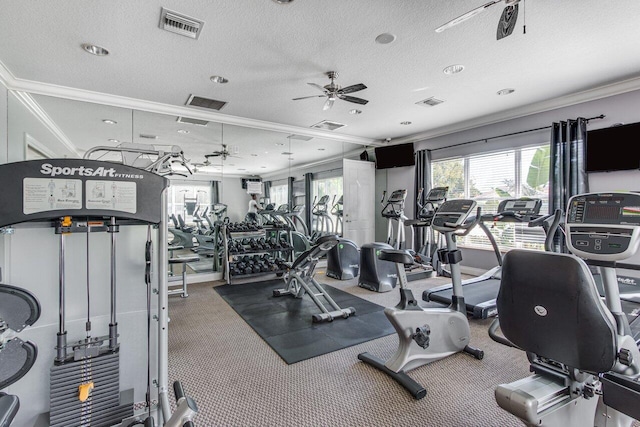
(394, 156)
(613, 148)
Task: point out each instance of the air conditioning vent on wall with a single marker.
(191, 121)
(430, 102)
(211, 104)
(180, 24)
(327, 125)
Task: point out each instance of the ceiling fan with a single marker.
(333, 91)
(507, 20)
(224, 153)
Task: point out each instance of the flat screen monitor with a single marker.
(613, 149)
(394, 156)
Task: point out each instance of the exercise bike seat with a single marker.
(9, 406)
(397, 256)
(323, 244)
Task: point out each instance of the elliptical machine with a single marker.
(429, 334)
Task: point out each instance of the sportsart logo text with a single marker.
(49, 169)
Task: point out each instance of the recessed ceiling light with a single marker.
(505, 91)
(219, 79)
(231, 164)
(109, 121)
(254, 155)
(405, 123)
(453, 69)
(385, 38)
(279, 144)
(183, 131)
(283, 1)
(115, 141)
(263, 167)
(355, 111)
(286, 153)
(321, 149)
(241, 169)
(95, 50)
(290, 158)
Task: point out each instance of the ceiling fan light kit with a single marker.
(506, 24)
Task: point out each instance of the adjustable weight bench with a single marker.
(300, 280)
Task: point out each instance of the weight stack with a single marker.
(102, 408)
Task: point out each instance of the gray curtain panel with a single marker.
(422, 180)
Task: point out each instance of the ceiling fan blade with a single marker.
(328, 104)
(352, 88)
(306, 97)
(354, 99)
(317, 86)
(466, 16)
(507, 21)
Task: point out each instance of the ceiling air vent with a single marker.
(180, 24)
(191, 121)
(430, 102)
(211, 104)
(300, 137)
(327, 125)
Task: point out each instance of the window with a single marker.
(185, 198)
(490, 178)
(279, 194)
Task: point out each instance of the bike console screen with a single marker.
(604, 226)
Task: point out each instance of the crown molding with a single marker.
(527, 110)
(15, 84)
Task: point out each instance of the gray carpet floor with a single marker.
(238, 380)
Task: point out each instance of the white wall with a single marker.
(3, 123)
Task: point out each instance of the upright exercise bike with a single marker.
(429, 334)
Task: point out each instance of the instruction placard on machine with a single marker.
(112, 195)
(50, 194)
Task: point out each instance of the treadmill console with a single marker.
(604, 226)
(452, 213)
(525, 207)
(437, 194)
(394, 206)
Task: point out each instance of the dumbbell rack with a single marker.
(238, 251)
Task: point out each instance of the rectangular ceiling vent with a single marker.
(180, 24)
(300, 137)
(191, 121)
(430, 102)
(148, 136)
(327, 125)
(210, 104)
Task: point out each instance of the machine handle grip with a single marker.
(468, 227)
(178, 390)
(384, 194)
(189, 424)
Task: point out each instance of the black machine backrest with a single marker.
(175, 221)
(323, 245)
(548, 304)
(181, 221)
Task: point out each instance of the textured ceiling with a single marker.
(269, 52)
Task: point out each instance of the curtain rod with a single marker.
(601, 116)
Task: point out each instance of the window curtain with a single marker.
(290, 200)
(422, 181)
(267, 190)
(308, 182)
(215, 192)
(567, 172)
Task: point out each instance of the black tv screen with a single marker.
(613, 149)
(394, 156)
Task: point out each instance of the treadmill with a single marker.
(480, 292)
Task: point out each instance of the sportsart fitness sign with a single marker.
(52, 171)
